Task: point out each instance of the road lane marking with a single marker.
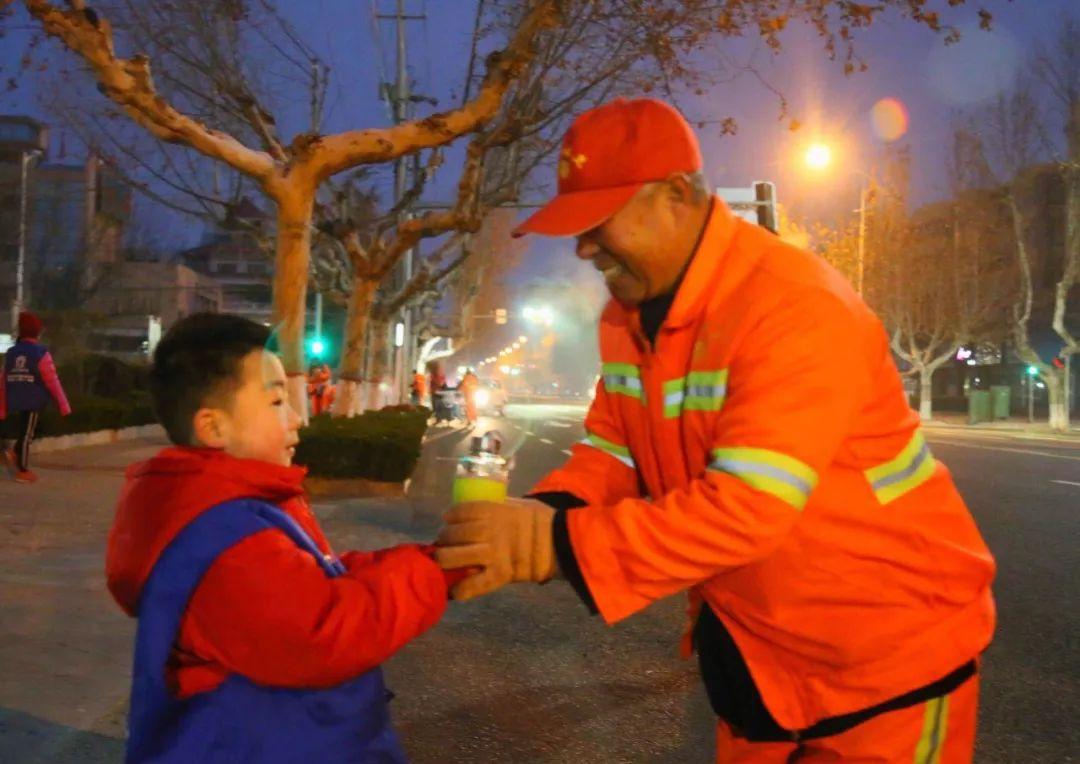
(557, 423)
(568, 453)
(549, 442)
(1013, 450)
(1066, 482)
(432, 438)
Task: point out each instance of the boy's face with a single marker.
(259, 423)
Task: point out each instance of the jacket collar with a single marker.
(711, 270)
(262, 479)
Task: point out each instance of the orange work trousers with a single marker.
(939, 731)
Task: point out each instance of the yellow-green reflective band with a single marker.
(935, 725)
(622, 378)
(697, 391)
(907, 471)
(772, 472)
(673, 397)
(622, 453)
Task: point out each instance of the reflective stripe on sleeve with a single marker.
(907, 471)
(622, 453)
(772, 472)
(622, 379)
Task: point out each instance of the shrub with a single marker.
(378, 445)
(90, 413)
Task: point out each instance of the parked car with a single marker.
(491, 398)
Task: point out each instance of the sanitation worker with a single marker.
(750, 445)
(468, 386)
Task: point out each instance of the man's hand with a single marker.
(510, 540)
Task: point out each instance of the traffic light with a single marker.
(500, 316)
(1032, 370)
(316, 347)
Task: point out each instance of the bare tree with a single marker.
(1058, 68)
(550, 58)
(289, 174)
(1007, 141)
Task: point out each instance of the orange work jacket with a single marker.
(763, 456)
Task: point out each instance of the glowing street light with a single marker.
(542, 315)
(818, 156)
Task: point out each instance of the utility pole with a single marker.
(399, 96)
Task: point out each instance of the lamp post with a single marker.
(818, 157)
(20, 266)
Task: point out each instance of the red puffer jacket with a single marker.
(265, 609)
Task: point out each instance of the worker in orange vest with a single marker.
(468, 387)
(320, 391)
(749, 444)
(419, 389)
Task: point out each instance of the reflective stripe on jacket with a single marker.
(763, 456)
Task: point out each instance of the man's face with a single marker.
(260, 424)
(633, 248)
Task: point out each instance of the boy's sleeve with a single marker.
(266, 610)
(52, 383)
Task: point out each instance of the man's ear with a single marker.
(209, 428)
(680, 189)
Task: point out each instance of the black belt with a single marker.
(735, 697)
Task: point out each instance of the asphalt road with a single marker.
(527, 675)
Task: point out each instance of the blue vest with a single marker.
(25, 390)
(241, 721)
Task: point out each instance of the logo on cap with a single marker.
(569, 158)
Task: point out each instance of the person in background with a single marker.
(468, 386)
(419, 389)
(27, 383)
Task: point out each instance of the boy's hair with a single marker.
(199, 360)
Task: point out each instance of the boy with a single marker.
(27, 382)
(255, 642)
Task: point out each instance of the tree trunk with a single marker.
(348, 401)
(926, 393)
(295, 203)
(378, 378)
(1059, 407)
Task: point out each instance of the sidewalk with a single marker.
(1020, 427)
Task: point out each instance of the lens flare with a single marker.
(889, 119)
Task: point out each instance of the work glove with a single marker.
(510, 540)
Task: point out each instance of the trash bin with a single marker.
(979, 409)
(1001, 396)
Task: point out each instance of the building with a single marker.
(72, 216)
(232, 255)
(141, 298)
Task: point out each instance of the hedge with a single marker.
(377, 445)
(90, 413)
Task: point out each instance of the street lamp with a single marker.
(542, 315)
(818, 157)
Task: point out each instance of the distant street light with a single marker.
(542, 315)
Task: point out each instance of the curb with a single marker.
(353, 488)
(96, 438)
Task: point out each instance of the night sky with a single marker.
(932, 81)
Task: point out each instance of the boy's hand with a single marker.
(510, 540)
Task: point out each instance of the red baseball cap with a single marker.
(608, 155)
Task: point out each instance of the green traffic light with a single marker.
(1032, 370)
(316, 348)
